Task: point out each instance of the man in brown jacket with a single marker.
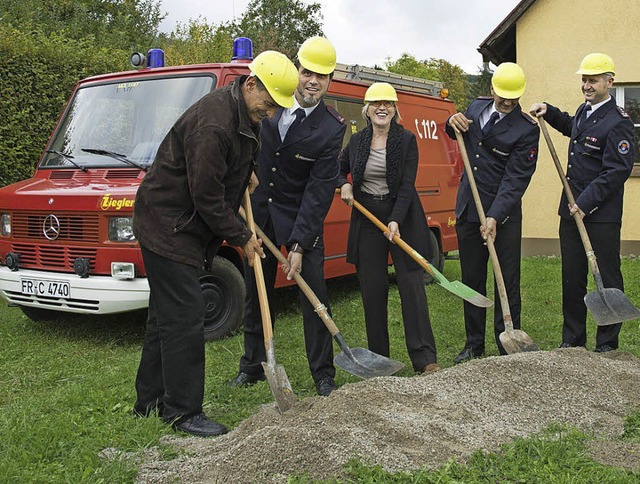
(185, 207)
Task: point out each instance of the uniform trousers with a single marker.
(605, 239)
(373, 253)
(318, 340)
(171, 372)
(474, 256)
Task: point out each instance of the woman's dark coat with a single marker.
(402, 167)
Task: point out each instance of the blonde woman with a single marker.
(382, 160)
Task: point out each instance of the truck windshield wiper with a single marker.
(67, 157)
(115, 156)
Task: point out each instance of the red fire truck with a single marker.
(66, 243)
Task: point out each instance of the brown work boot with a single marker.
(430, 368)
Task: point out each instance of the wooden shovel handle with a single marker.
(502, 290)
(396, 238)
(567, 190)
(320, 308)
(265, 313)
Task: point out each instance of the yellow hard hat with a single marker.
(594, 64)
(317, 55)
(380, 91)
(278, 74)
(508, 81)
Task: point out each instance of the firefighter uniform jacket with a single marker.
(502, 161)
(298, 176)
(601, 154)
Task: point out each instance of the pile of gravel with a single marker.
(404, 424)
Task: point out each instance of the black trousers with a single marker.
(317, 339)
(474, 256)
(605, 239)
(171, 372)
(373, 254)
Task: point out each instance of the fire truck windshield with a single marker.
(130, 118)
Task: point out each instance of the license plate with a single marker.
(45, 287)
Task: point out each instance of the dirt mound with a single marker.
(403, 424)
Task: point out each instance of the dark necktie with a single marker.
(583, 116)
(300, 115)
(492, 120)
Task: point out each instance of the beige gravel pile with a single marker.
(403, 424)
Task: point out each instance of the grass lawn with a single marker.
(67, 387)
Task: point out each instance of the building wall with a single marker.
(552, 38)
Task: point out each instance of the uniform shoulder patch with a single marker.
(335, 114)
(622, 112)
(529, 118)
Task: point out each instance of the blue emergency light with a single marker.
(155, 58)
(242, 50)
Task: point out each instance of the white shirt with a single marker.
(287, 117)
(486, 114)
(596, 106)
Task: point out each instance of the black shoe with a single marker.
(201, 426)
(565, 345)
(325, 386)
(604, 349)
(468, 353)
(244, 379)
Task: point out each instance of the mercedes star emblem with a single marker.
(51, 227)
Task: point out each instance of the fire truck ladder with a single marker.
(369, 75)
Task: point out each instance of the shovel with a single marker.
(276, 376)
(455, 287)
(512, 340)
(360, 362)
(607, 305)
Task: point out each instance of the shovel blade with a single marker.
(280, 386)
(468, 294)
(517, 341)
(365, 363)
(611, 306)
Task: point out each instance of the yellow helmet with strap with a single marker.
(508, 81)
(317, 54)
(278, 74)
(596, 63)
(380, 91)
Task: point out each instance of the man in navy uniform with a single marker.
(601, 154)
(298, 170)
(502, 143)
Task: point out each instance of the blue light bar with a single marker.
(155, 58)
(242, 49)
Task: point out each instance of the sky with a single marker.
(369, 32)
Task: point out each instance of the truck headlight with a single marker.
(121, 229)
(5, 224)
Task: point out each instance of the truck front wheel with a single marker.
(223, 291)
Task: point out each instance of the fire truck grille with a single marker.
(51, 257)
(71, 227)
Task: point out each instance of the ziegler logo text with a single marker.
(108, 203)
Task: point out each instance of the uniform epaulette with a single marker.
(335, 114)
(622, 112)
(529, 118)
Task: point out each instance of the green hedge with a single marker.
(38, 75)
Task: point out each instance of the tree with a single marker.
(280, 25)
(198, 42)
(481, 84)
(452, 76)
(120, 24)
